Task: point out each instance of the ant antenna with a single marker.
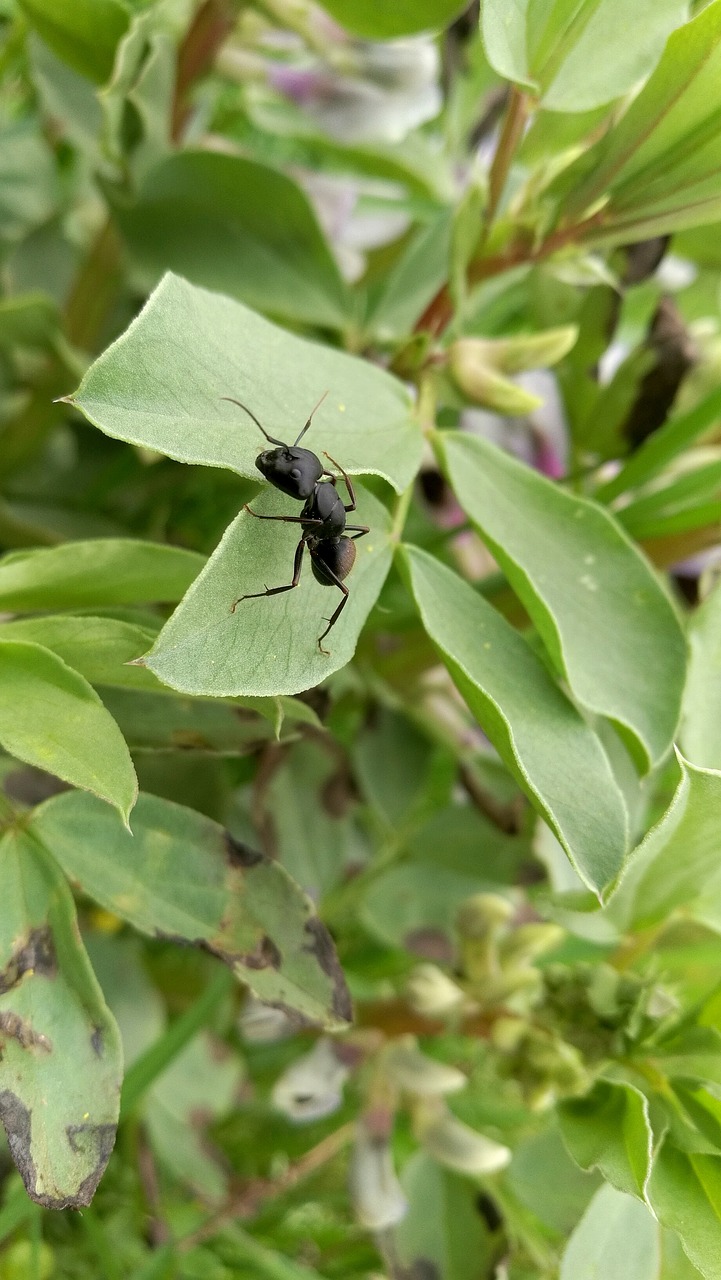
(250, 414)
(310, 419)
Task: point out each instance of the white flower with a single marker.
(378, 1199)
(312, 1086)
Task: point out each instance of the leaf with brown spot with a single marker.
(182, 876)
(61, 1059)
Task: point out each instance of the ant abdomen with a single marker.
(338, 556)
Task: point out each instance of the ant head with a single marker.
(294, 471)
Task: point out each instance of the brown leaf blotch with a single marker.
(240, 854)
(20, 1029)
(322, 946)
(35, 955)
(265, 956)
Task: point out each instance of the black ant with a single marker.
(299, 473)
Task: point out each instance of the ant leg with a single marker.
(360, 531)
(275, 591)
(346, 477)
(335, 616)
(285, 519)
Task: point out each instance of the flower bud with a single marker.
(532, 350)
(431, 993)
(481, 384)
(415, 1073)
(312, 1086)
(261, 1023)
(457, 1146)
(507, 1034)
(482, 914)
(529, 941)
(376, 1193)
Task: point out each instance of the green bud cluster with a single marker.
(497, 957)
(594, 1007)
(545, 1067)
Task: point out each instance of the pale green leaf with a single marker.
(606, 621)
(52, 718)
(616, 1239)
(61, 1066)
(657, 170)
(161, 384)
(104, 571)
(269, 645)
(577, 54)
(180, 875)
(677, 867)
(233, 224)
(554, 754)
(701, 716)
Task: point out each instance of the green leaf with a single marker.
(616, 1239)
(61, 1064)
(161, 384)
(609, 1130)
(104, 571)
(694, 491)
(701, 717)
(556, 757)
(27, 180)
(269, 645)
(98, 648)
(30, 320)
(676, 867)
(239, 226)
(163, 721)
(662, 446)
(412, 282)
(657, 170)
(313, 844)
(84, 33)
(403, 18)
(577, 54)
(414, 906)
(693, 1054)
(181, 876)
(50, 717)
(200, 1086)
(443, 1234)
(607, 623)
(684, 1191)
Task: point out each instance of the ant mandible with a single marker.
(299, 473)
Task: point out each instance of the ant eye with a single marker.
(295, 472)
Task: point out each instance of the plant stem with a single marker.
(518, 108)
(210, 27)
